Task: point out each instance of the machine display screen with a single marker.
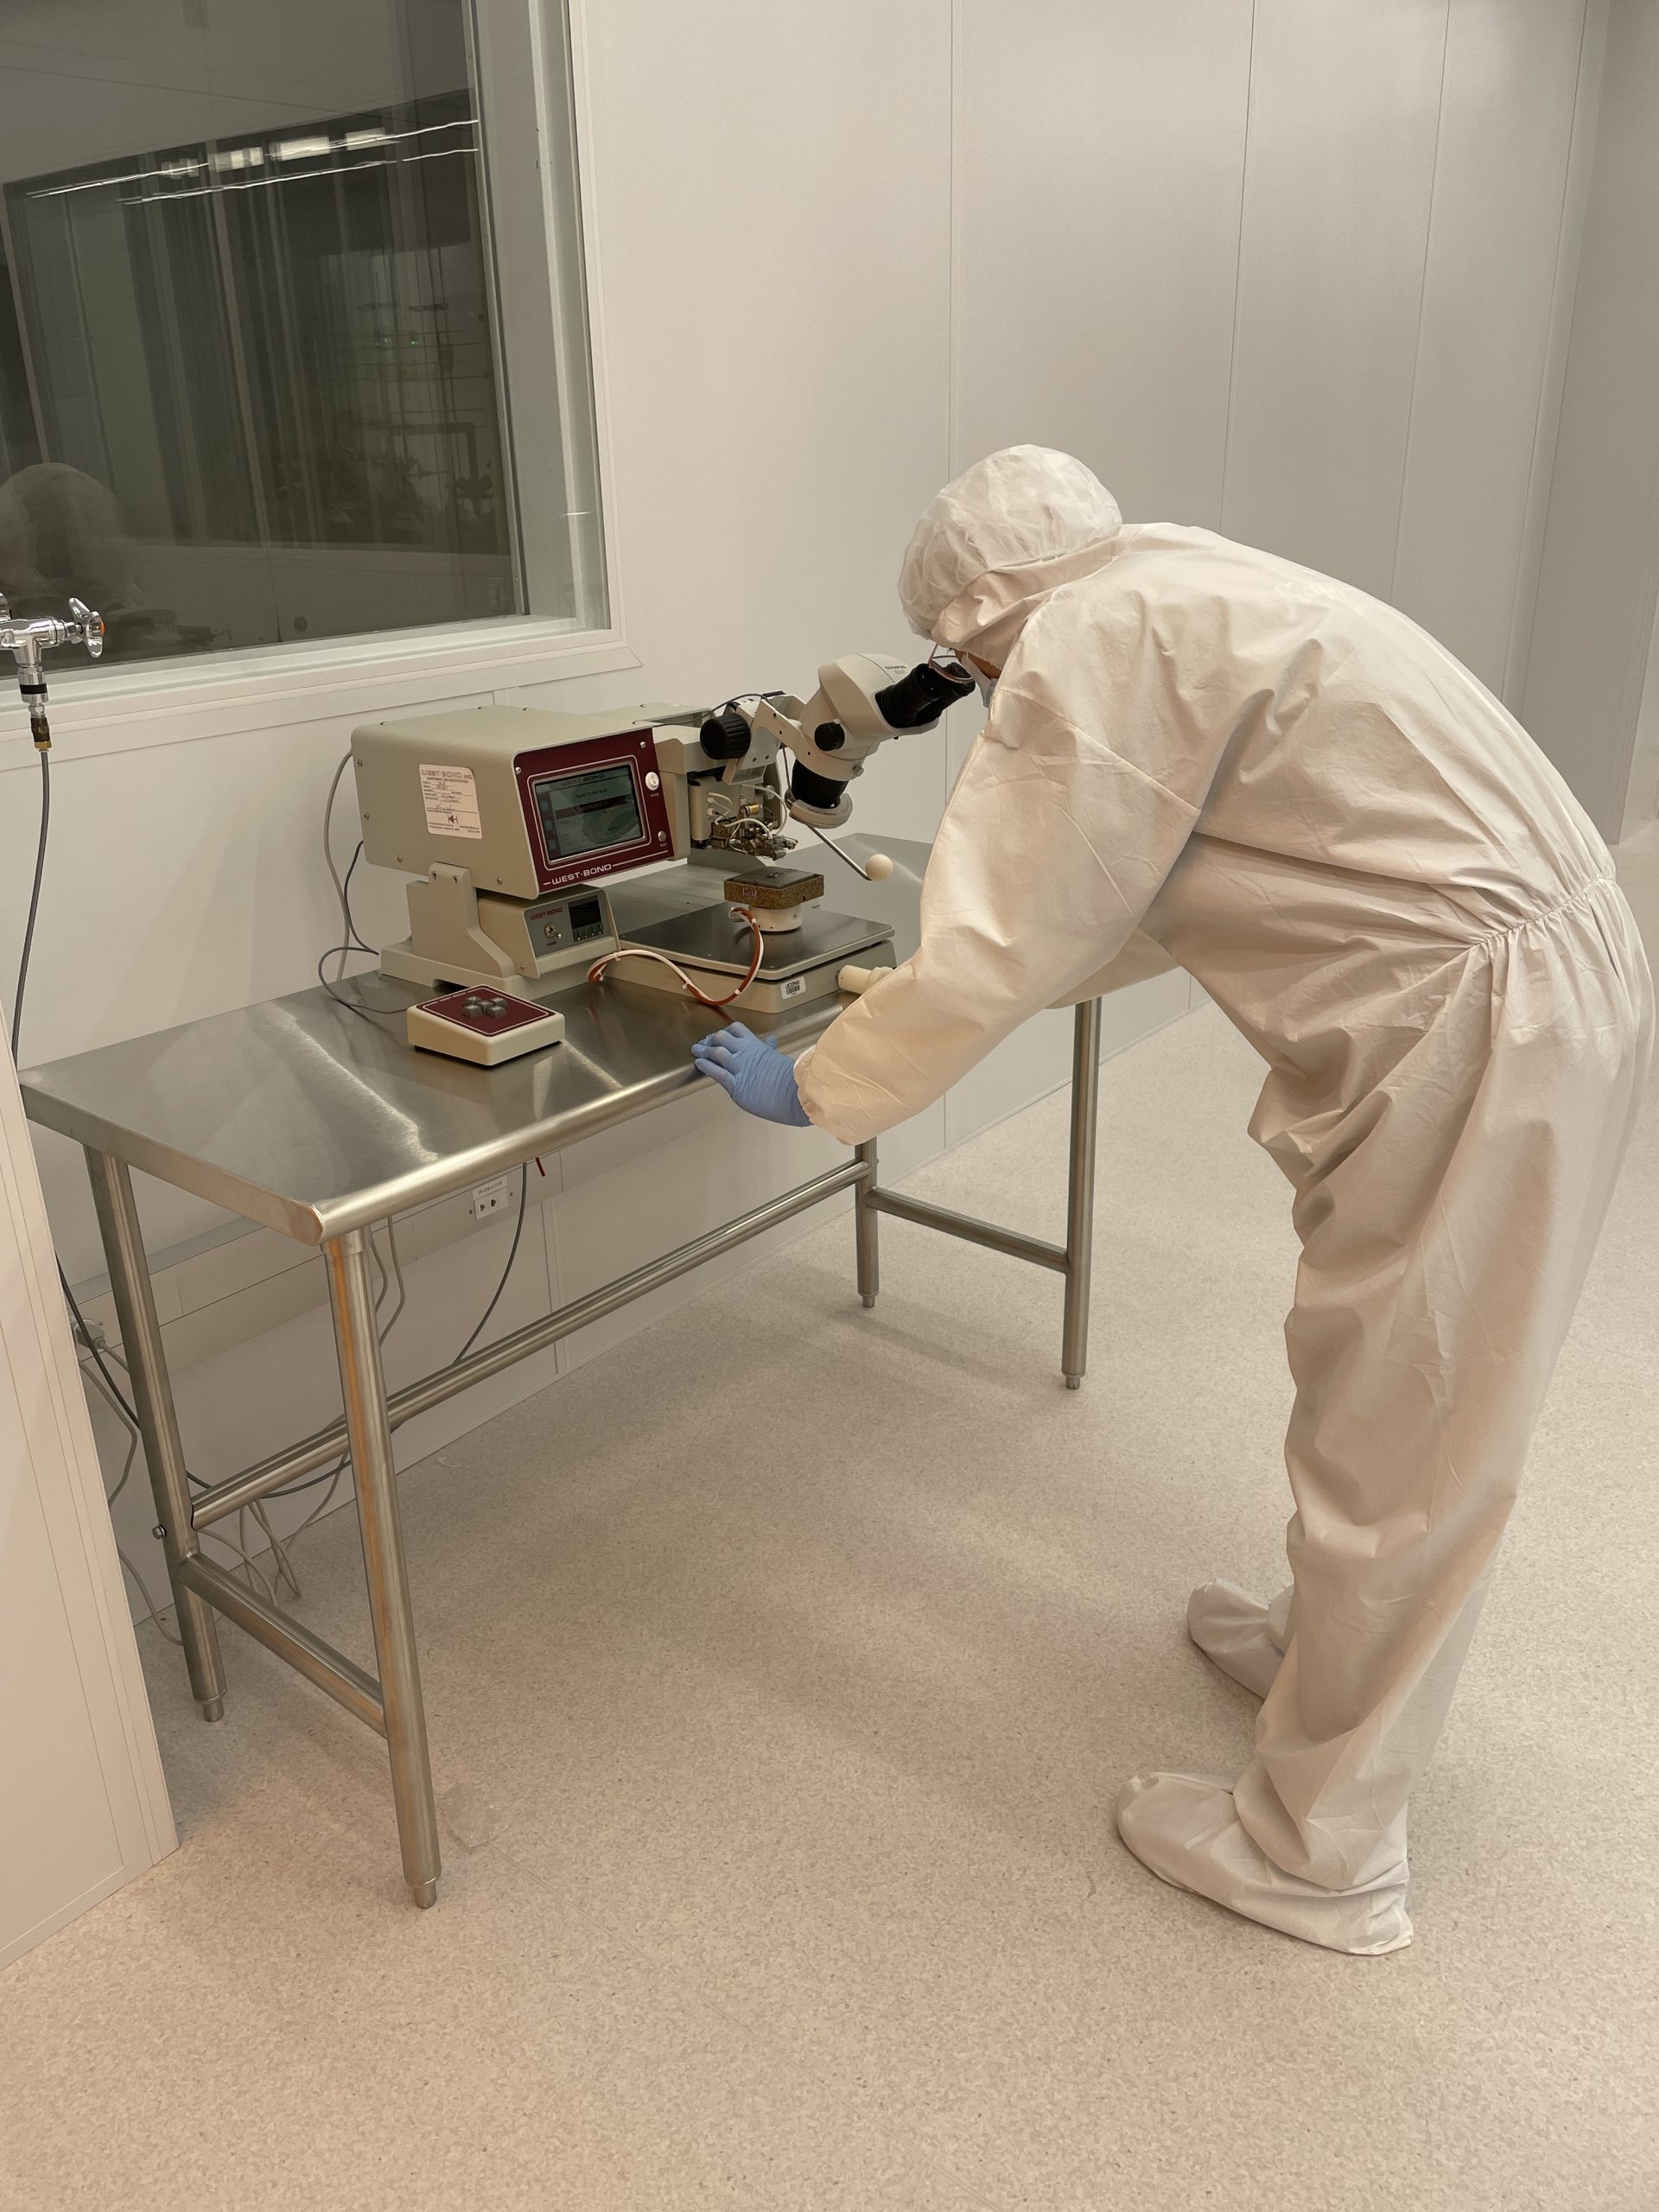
(589, 811)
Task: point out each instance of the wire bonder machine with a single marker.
(513, 820)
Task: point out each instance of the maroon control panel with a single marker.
(594, 809)
(486, 1013)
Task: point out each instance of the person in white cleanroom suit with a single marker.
(1201, 754)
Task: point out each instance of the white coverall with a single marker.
(1204, 756)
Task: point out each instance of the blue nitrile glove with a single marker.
(752, 1071)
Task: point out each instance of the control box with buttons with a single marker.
(484, 1025)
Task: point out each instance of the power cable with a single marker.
(513, 1254)
(34, 901)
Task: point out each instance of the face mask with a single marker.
(987, 683)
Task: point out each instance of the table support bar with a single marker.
(1080, 1191)
(152, 1398)
(363, 1385)
(1073, 1258)
(1008, 1241)
(289, 1639)
(866, 1228)
(256, 1482)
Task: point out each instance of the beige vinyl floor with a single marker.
(782, 1668)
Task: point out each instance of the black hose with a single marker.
(34, 902)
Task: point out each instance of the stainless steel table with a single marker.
(318, 1122)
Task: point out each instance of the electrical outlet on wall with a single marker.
(493, 1197)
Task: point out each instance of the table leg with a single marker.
(370, 1435)
(158, 1422)
(1080, 1191)
(866, 1228)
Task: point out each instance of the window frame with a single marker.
(191, 696)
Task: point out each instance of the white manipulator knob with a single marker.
(854, 980)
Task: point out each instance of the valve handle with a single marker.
(90, 625)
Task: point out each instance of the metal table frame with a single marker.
(391, 1706)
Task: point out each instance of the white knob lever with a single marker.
(878, 871)
(854, 980)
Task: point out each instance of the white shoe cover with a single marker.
(1237, 1631)
(1184, 1828)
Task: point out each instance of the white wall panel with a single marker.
(82, 1804)
(769, 193)
(1500, 179)
(181, 879)
(1100, 164)
(1343, 111)
(1600, 566)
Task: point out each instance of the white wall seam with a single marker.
(954, 463)
(1636, 658)
(1580, 155)
(1238, 273)
(1642, 804)
(1422, 302)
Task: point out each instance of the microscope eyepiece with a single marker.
(917, 700)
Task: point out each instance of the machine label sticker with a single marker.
(793, 988)
(450, 797)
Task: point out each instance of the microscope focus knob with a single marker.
(725, 736)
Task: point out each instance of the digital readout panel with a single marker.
(595, 808)
(589, 811)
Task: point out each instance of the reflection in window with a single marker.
(248, 387)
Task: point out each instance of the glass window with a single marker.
(254, 322)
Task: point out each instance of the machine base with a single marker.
(714, 948)
(713, 945)
(404, 965)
